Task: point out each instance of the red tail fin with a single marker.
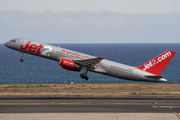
(157, 65)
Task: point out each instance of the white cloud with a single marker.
(90, 27)
(120, 6)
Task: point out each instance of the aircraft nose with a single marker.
(6, 44)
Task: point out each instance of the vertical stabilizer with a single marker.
(157, 65)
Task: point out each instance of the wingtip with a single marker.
(101, 57)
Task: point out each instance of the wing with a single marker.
(89, 62)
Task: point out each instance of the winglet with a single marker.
(101, 57)
(157, 65)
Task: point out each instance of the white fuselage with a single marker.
(106, 67)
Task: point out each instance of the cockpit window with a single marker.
(12, 41)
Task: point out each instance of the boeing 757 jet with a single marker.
(76, 61)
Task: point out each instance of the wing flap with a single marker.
(89, 62)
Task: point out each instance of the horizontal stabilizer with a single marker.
(155, 77)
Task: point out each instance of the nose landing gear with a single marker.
(21, 60)
(22, 54)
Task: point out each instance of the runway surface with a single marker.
(91, 99)
(88, 116)
(89, 108)
(64, 108)
(89, 104)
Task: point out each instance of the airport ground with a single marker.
(92, 90)
(114, 108)
(90, 101)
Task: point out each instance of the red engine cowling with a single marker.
(69, 64)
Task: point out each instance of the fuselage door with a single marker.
(22, 42)
(107, 66)
(136, 73)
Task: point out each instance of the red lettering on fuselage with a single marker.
(39, 48)
(32, 47)
(76, 54)
(26, 47)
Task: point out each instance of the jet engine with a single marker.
(69, 65)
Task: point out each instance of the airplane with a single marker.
(76, 61)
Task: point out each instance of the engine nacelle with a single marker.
(69, 65)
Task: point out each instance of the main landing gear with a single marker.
(84, 76)
(22, 54)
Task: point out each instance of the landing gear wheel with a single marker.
(82, 76)
(22, 54)
(86, 77)
(21, 60)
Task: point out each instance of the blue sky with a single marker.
(91, 21)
